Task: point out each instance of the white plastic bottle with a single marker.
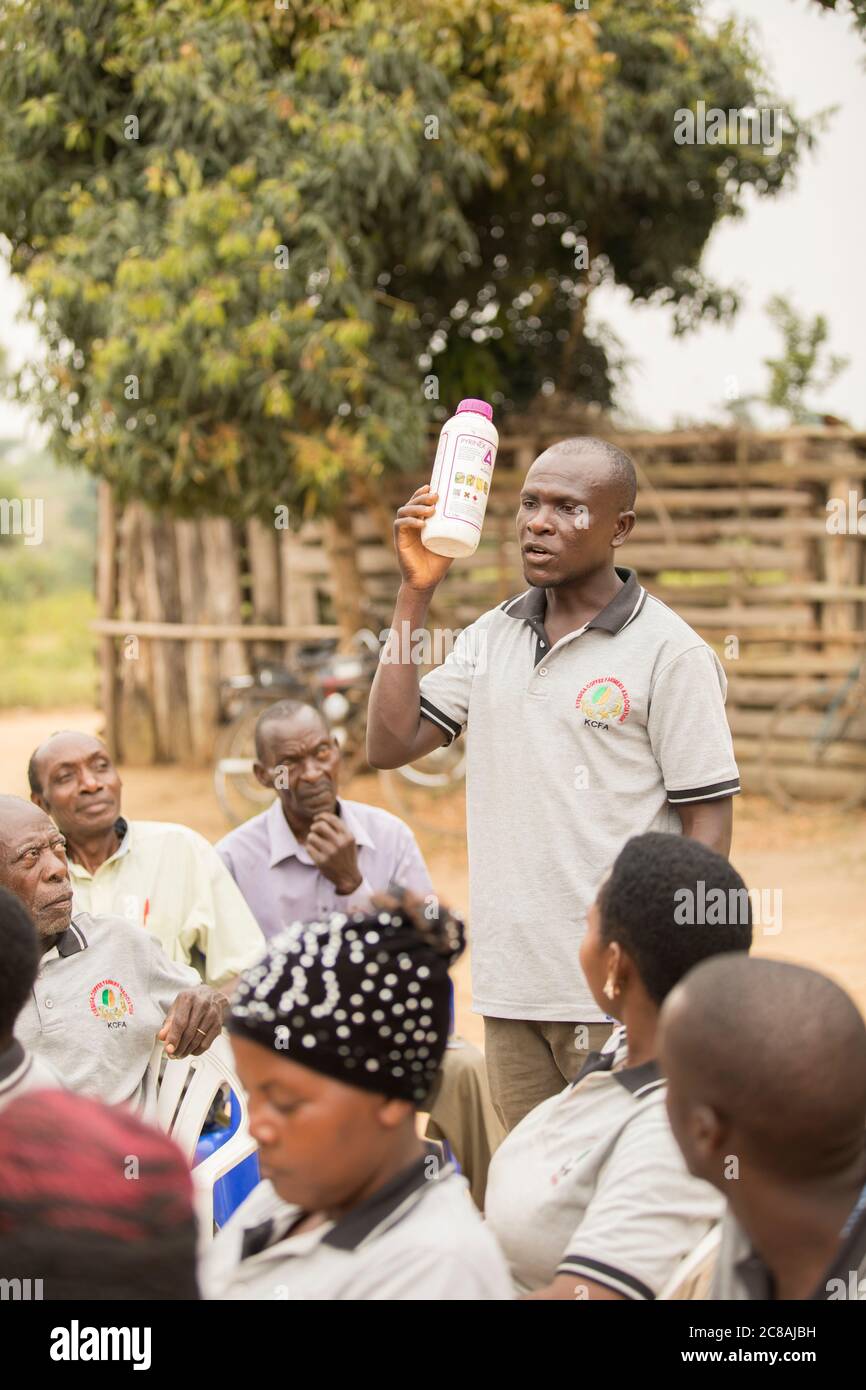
(462, 475)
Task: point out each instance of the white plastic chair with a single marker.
(181, 1115)
(700, 1260)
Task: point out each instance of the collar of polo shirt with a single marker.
(72, 941)
(284, 843)
(531, 608)
(640, 1081)
(369, 1219)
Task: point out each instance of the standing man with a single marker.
(592, 713)
(160, 876)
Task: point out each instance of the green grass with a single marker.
(47, 651)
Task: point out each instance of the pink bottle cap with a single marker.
(479, 407)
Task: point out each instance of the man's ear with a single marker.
(616, 961)
(263, 775)
(708, 1133)
(38, 800)
(624, 527)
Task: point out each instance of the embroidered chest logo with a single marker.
(602, 702)
(110, 1002)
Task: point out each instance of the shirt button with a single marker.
(542, 670)
(49, 1003)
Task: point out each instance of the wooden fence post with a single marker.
(202, 670)
(298, 588)
(223, 587)
(106, 590)
(347, 589)
(136, 732)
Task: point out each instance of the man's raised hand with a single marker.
(419, 567)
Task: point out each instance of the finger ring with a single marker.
(201, 1030)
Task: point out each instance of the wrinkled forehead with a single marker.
(21, 821)
(70, 748)
(295, 734)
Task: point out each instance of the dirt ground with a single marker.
(818, 867)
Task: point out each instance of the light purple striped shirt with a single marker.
(281, 884)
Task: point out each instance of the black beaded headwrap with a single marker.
(363, 998)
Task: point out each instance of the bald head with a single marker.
(15, 812)
(576, 510)
(56, 745)
(33, 864)
(285, 718)
(299, 758)
(73, 779)
(610, 462)
(767, 1061)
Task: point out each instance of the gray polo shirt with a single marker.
(570, 750)
(591, 1184)
(740, 1273)
(100, 998)
(419, 1237)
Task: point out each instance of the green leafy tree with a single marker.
(258, 238)
(806, 366)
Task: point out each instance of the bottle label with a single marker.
(469, 479)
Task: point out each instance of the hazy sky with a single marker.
(809, 243)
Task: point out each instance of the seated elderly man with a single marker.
(105, 989)
(158, 875)
(312, 853)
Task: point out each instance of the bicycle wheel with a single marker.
(428, 792)
(352, 738)
(814, 750)
(238, 792)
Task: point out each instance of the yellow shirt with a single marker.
(169, 879)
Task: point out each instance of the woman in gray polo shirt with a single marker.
(338, 1035)
(588, 1196)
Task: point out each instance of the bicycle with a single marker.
(826, 722)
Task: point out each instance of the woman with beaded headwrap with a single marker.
(337, 1035)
